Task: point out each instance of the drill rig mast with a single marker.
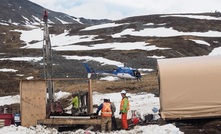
(47, 55)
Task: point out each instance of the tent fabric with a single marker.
(190, 87)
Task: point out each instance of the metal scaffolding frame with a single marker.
(47, 56)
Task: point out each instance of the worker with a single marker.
(106, 114)
(114, 122)
(124, 107)
(75, 104)
(138, 75)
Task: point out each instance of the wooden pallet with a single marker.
(63, 121)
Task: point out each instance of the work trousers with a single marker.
(74, 111)
(106, 122)
(114, 123)
(124, 121)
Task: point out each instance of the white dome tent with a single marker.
(190, 87)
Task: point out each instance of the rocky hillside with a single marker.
(135, 41)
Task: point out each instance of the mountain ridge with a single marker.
(150, 36)
(26, 12)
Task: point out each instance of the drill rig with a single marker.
(47, 56)
(36, 108)
(54, 107)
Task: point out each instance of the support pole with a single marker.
(90, 97)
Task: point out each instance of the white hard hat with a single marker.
(123, 92)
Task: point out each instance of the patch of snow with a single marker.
(30, 78)
(149, 24)
(112, 46)
(25, 18)
(216, 51)
(33, 34)
(4, 24)
(63, 22)
(58, 42)
(8, 100)
(102, 60)
(8, 70)
(145, 69)
(78, 20)
(200, 42)
(216, 41)
(149, 129)
(36, 18)
(24, 130)
(142, 102)
(164, 32)
(128, 46)
(14, 23)
(50, 22)
(194, 17)
(30, 59)
(60, 95)
(156, 129)
(106, 25)
(156, 57)
(109, 78)
(64, 42)
(27, 21)
(19, 74)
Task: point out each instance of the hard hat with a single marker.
(123, 92)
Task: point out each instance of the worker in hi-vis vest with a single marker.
(106, 114)
(75, 104)
(124, 107)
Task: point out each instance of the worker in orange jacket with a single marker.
(106, 114)
(124, 107)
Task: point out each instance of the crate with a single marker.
(8, 119)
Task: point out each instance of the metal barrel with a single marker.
(17, 119)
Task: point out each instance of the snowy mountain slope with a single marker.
(26, 12)
(135, 41)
